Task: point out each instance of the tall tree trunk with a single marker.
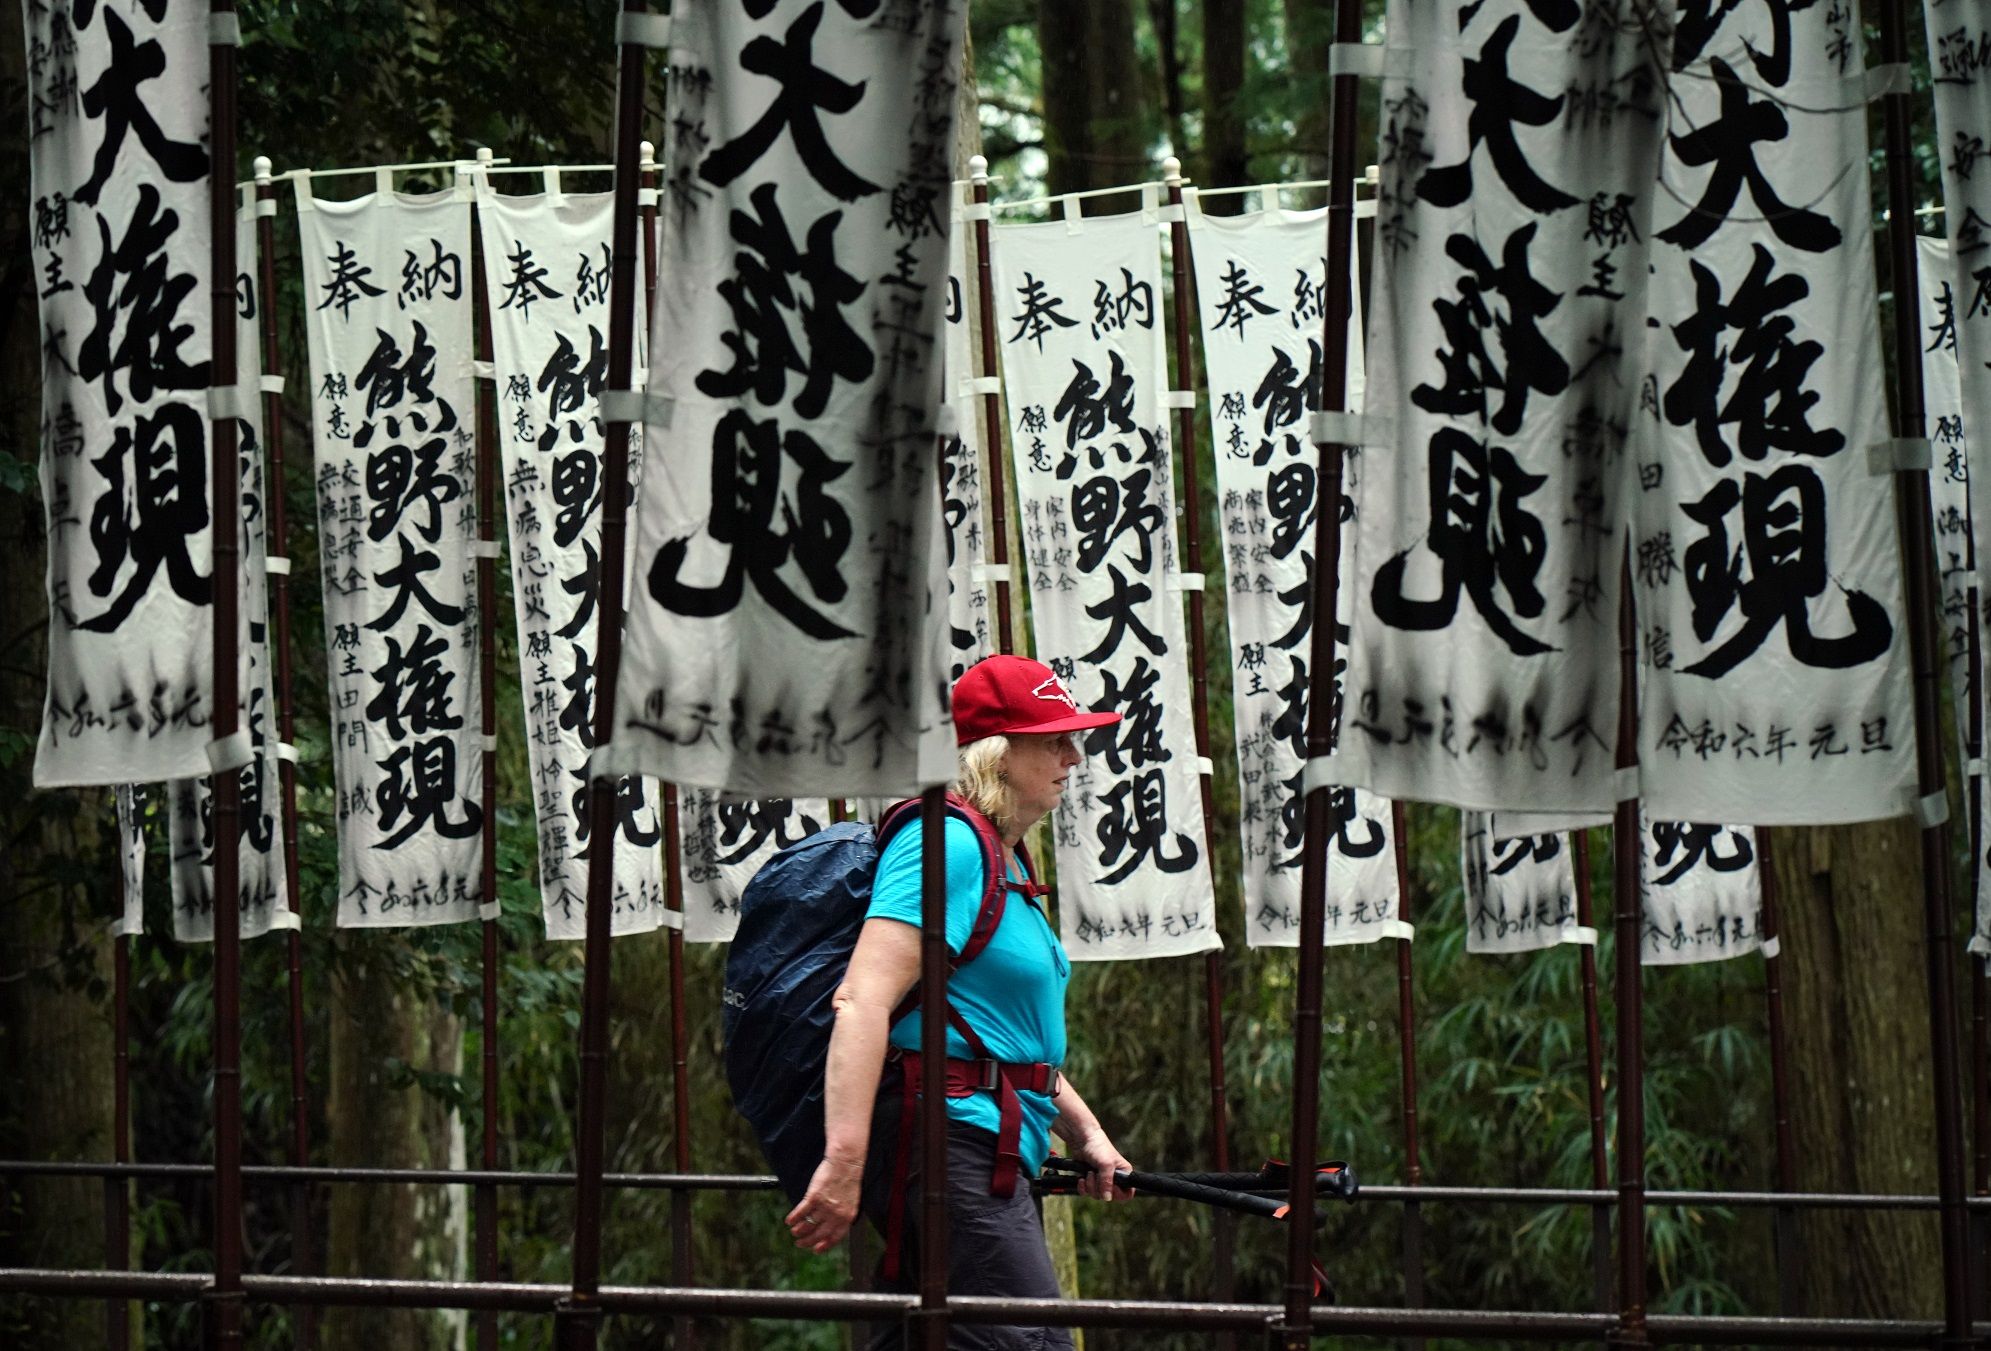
(398, 1231)
(1095, 113)
(56, 873)
(1225, 163)
(1309, 33)
(1163, 15)
(1856, 995)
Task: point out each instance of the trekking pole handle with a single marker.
(1162, 1184)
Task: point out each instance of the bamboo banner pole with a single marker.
(1295, 1329)
(487, 674)
(1980, 1035)
(1593, 1051)
(301, 1255)
(1224, 1279)
(1789, 1290)
(992, 414)
(223, 1298)
(578, 1323)
(931, 1316)
(117, 1190)
(1406, 1014)
(1921, 597)
(1631, 1330)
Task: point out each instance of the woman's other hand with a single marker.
(828, 1209)
(1098, 1153)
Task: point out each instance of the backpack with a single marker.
(799, 921)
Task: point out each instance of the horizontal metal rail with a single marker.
(737, 1182)
(1329, 1321)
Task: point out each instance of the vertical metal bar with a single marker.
(487, 675)
(1295, 1330)
(1224, 1282)
(682, 1257)
(1593, 1047)
(1406, 1019)
(1790, 1296)
(1631, 1328)
(1922, 597)
(992, 414)
(117, 1190)
(577, 1325)
(932, 1315)
(301, 1260)
(224, 1296)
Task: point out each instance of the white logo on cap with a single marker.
(1052, 692)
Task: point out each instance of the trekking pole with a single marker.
(1166, 1184)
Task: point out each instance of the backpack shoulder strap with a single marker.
(994, 895)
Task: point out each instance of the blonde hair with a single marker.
(983, 779)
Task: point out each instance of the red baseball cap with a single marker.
(1000, 695)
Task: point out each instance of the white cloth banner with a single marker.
(387, 309)
(1701, 891)
(1520, 892)
(131, 858)
(118, 167)
(263, 880)
(1260, 282)
(781, 636)
(970, 611)
(1768, 576)
(724, 844)
(546, 272)
(1081, 328)
(1518, 160)
(1949, 474)
(1507, 825)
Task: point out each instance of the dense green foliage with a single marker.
(1500, 1041)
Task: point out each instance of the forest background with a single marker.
(1071, 96)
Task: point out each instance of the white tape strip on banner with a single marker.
(223, 30)
(1205, 766)
(1396, 928)
(1980, 946)
(271, 384)
(1365, 209)
(1073, 211)
(982, 384)
(1268, 199)
(1364, 59)
(647, 197)
(1771, 948)
(277, 565)
(672, 919)
(1582, 933)
(483, 370)
(990, 572)
(226, 401)
(491, 744)
(286, 751)
(286, 920)
(1179, 398)
(1900, 455)
(1171, 214)
(486, 548)
(643, 30)
(266, 206)
(383, 181)
(635, 405)
(135, 928)
(490, 910)
(972, 211)
(1877, 82)
(230, 752)
(1187, 581)
(300, 189)
(1351, 429)
(1320, 771)
(1624, 784)
(1932, 810)
(1974, 767)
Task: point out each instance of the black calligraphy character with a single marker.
(152, 522)
(1499, 102)
(1773, 575)
(807, 91)
(1085, 412)
(388, 378)
(1117, 612)
(1110, 310)
(746, 827)
(1531, 361)
(413, 693)
(762, 292)
(1284, 395)
(1769, 406)
(630, 804)
(1943, 331)
(1240, 304)
(349, 281)
(576, 486)
(577, 715)
(748, 461)
(1695, 845)
(1342, 822)
(592, 280)
(585, 583)
(399, 476)
(148, 300)
(1040, 311)
(115, 97)
(1289, 500)
(1483, 536)
(420, 784)
(405, 577)
(1699, 20)
(1728, 143)
(1136, 825)
(443, 273)
(567, 384)
(1508, 855)
(527, 282)
(1103, 509)
(1136, 739)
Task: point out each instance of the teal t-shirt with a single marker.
(1013, 994)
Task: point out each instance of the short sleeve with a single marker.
(895, 892)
